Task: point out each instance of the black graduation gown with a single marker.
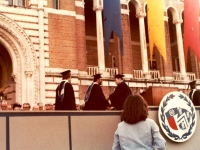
(120, 94)
(68, 102)
(97, 100)
(196, 97)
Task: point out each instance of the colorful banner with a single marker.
(191, 28)
(112, 22)
(156, 28)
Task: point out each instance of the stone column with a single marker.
(98, 7)
(28, 97)
(143, 45)
(180, 49)
(41, 52)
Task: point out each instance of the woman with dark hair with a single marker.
(136, 131)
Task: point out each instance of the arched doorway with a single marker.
(7, 84)
(18, 63)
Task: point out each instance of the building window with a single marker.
(113, 62)
(56, 4)
(153, 65)
(17, 3)
(177, 66)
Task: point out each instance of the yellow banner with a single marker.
(156, 28)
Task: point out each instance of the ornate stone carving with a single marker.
(177, 21)
(98, 8)
(13, 76)
(141, 14)
(29, 54)
(29, 73)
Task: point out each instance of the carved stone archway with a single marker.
(23, 56)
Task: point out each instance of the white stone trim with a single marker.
(105, 83)
(31, 2)
(79, 4)
(46, 62)
(51, 86)
(125, 11)
(46, 41)
(93, 38)
(49, 79)
(4, 2)
(34, 40)
(46, 34)
(135, 43)
(60, 12)
(124, 2)
(80, 17)
(28, 25)
(46, 54)
(75, 87)
(112, 83)
(58, 70)
(32, 32)
(18, 17)
(166, 18)
(86, 82)
(18, 10)
(46, 47)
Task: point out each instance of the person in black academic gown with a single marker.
(68, 101)
(122, 91)
(194, 94)
(94, 98)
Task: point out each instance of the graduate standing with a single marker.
(122, 91)
(194, 94)
(94, 97)
(65, 99)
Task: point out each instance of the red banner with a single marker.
(191, 28)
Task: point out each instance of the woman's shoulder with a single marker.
(151, 121)
(123, 123)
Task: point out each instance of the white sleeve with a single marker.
(158, 141)
(116, 144)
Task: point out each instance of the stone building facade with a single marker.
(41, 38)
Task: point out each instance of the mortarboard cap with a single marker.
(119, 76)
(97, 76)
(65, 72)
(192, 84)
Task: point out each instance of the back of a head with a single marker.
(192, 84)
(135, 109)
(66, 74)
(119, 76)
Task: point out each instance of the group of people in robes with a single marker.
(94, 98)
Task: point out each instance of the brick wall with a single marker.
(62, 41)
(127, 61)
(67, 5)
(174, 51)
(81, 41)
(168, 64)
(137, 61)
